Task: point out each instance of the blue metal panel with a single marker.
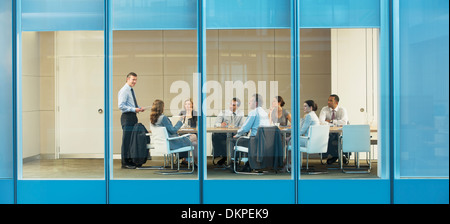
(154, 14)
(421, 191)
(7, 191)
(355, 191)
(61, 192)
(339, 13)
(154, 192)
(6, 97)
(247, 14)
(54, 15)
(249, 192)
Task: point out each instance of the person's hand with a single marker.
(139, 110)
(224, 124)
(182, 117)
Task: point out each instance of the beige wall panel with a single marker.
(284, 90)
(315, 87)
(180, 52)
(212, 52)
(80, 43)
(246, 52)
(30, 134)
(137, 51)
(47, 132)
(47, 53)
(282, 55)
(30, 93)
(47, 93)
(30, 54)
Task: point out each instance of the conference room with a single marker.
(239, 63)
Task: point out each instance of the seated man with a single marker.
(256, 118)
(228, 118)
(333, 114)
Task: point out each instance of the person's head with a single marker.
(333, 101)
(255, 101)
(188, 104)
(131, 79)
(309, 106)
(156, 111)
(278, 101)
(234, 104)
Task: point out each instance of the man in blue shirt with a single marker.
(129, 107)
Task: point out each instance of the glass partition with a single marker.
(62, 104)
(240, 64)
(165, 65)
(339, 69)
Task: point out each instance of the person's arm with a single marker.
(323, 116)
(305, 125)
(247, 125)
(344, 117)
(122, 100)
(219, 119)
(169, 127)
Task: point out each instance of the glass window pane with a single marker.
(165, 62)
(62, 99)
(423, 80)
(341, 62)
(241, 63)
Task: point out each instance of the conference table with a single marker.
(283, 129)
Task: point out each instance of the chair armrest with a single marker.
(304, 137)
(241, 137)
(178, 137)
(185, 135)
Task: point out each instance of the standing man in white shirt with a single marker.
(129, 107)
(231, 118)
(333, 114)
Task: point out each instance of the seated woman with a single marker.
(277, 114)
(189, 121)
(157, 118)
(309, 119)
(190, 115)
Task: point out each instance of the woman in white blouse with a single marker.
(308, 120)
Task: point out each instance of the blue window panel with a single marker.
(60, 15)
(154, 14)
(339, 13)
(61, 192)
(6, 191)
(249, 192)
(423, 82)
(247, 14)
(6, 91)
(421, 191)
(154, 192)
(355, 191)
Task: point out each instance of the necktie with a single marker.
(333, 116)
(134, 98)
(233, 118)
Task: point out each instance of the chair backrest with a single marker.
(356, 138)
(318, 139)
(159, 139)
